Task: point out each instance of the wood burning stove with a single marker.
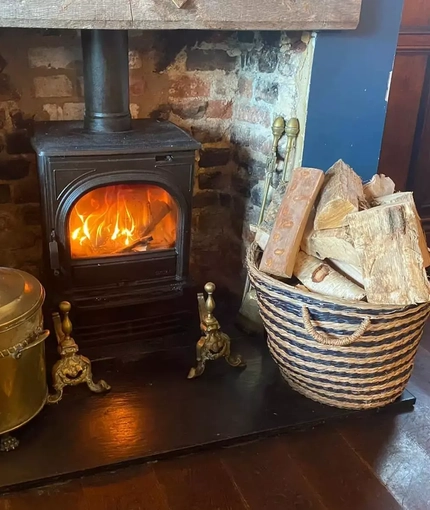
(116, 201)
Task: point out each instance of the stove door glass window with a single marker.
(123, 219)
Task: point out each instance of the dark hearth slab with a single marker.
(154, 412)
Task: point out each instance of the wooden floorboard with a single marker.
(201, 484)
(377, 462)
(268, 478)
(397, 448)
(336, 473)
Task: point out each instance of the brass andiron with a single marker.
(213, 344)
(73, 368)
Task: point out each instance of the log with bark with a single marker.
(407, 197)
(318, 276)
(391, 260)
(342, 194)
(284, 242)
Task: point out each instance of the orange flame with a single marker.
(122, 219)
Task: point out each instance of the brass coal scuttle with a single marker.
(23, 384)
(23, 381)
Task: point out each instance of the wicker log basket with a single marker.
(353, 356)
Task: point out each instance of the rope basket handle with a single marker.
(332, 340)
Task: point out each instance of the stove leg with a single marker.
(8, 443)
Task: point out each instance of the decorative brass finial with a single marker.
(278, 128)
(292, 131)
(73, 368)
(213, 343)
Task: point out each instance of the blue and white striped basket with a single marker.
(343, 354)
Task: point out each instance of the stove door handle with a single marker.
(54, 257)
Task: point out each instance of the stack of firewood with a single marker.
(336, 236)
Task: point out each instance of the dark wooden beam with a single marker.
(195, 14)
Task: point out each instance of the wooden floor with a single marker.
(378, 462)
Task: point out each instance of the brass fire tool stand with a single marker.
(73, 368)
(213, 344)
(248, 318)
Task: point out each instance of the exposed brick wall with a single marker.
(225, 88)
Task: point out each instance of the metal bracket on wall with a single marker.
(179, 3)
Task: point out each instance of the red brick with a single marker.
(219, 110)
(245, 87)
(210, 60)
(53, 86)
(137, 86)
(190, 109)
(253, 115)
(189, 86)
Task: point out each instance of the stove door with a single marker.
(120, 221)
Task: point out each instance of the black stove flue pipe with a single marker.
(106, 80)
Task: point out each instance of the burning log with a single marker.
(139, 245)
(159, 210)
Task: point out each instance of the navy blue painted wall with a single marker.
(347, 104)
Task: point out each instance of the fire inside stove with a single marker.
(122, 220)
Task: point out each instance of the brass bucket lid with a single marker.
(21, 295)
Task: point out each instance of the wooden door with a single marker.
(405, 153)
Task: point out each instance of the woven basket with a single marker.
(344, 354)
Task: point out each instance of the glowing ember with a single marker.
(122, 219)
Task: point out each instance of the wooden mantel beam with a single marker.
(179, 14)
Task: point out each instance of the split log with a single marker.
(353, 273)
(263, 231)
(334, 243)
(378, 186)
(301, 287)
(407, 197)
(319, 277)
(284, 242)
(262, 237)
(342, 194)
(390, 256)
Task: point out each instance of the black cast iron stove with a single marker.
(116, 207)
